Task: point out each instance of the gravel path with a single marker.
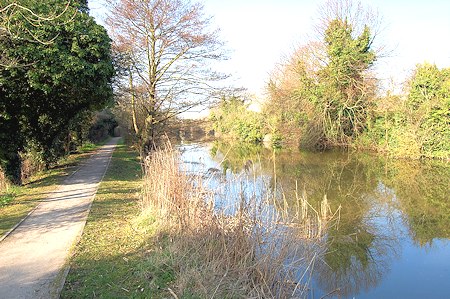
(33, 257)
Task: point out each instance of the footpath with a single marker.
(34, 256)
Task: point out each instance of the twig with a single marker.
(173, 293)
(330, 293)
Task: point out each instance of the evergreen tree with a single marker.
(64, 70)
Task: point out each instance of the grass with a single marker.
(160, 236)
(116, 256)
(17, 201)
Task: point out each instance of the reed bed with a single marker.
(262, 249)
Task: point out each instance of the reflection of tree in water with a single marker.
(422, 192)
(236, 157)
(360, 250)
(358, 255)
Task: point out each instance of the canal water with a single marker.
(393, 235)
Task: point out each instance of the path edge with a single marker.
(59, 282)
(10, 231)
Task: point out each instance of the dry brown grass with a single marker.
(264, 249)
(4, 184)
(30, 166)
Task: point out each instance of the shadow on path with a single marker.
(33, 256)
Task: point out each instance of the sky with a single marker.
(259, 33)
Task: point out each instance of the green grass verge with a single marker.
(117, 256)
(18, 201)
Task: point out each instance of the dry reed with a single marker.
(263, 249)
(4, 184)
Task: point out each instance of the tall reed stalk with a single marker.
(4, 184)
(263, 249)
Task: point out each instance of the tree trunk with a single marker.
(13, 169)
(133, 105)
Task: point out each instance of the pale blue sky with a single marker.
(260, 32)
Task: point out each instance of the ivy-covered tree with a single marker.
(347, 90)
(52, 82)
(324, 92)
(16, 16)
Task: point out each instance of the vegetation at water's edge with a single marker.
(326, 95)
(170, 241)
(417, 125)
(232, 118)
(236, 249)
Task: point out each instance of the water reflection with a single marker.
(385, 204)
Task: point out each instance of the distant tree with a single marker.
(428, 109)
(52, 82)
(169, 50)
(232, 118)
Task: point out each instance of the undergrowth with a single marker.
(259, 248)
(172, 240)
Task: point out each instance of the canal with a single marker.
(392, 239)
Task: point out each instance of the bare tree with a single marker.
(170, 47)
(352, 12)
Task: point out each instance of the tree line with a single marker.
(58, 66)
(326, 94)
